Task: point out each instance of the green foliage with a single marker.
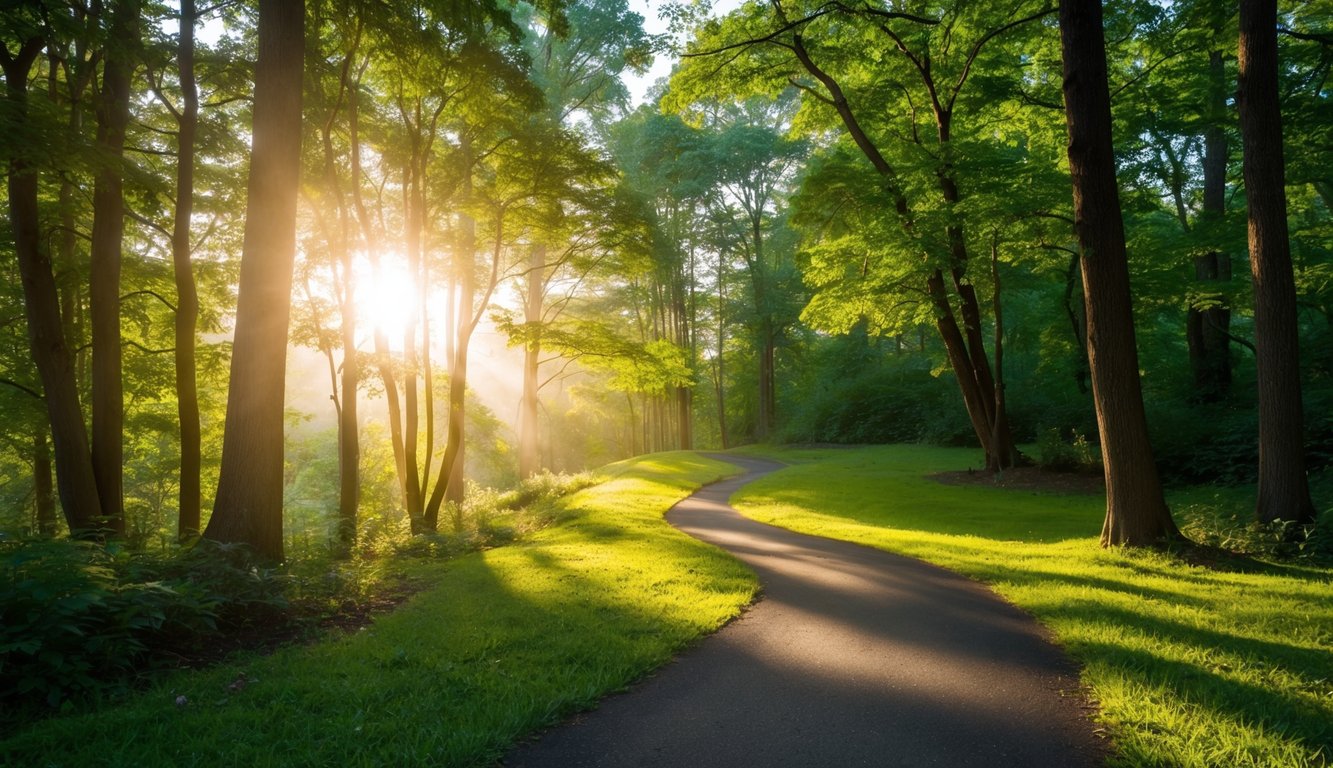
(67, 623)
(1067, 453)
(857, 390)
(81, 621)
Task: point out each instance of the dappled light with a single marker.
(354, 354)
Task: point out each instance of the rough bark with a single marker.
(1136, 513)
(248, 507)
(51, 353)
(108, 401)
(187, 295)
(1284, 491)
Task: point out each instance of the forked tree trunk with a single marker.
(965, 347)
(1284, 490)
(187, 295)
(108, 401)
(248, 508)
(51, 354)
(1136, 513)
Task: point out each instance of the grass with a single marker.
(1191, 666)
(506, 641)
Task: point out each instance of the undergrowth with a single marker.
(83, 624)
(497, 643)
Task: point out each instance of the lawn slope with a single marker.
(507, 640)
(1191, 666)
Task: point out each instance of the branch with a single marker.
(137, 345)
(147, 222)
(986, 38)
(869, 10)
(154, 294)
(823, 10)
(22, 388)
(1323, 38)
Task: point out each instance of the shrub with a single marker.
(1076, 454)
(78, 620)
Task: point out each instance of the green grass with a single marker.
(508, 640)
(1191, 666)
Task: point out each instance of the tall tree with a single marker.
(51, 353)
(909, 132)
(1136, 513)
(108, 404)
(187, 294)
(248, 506)
(1284, 490)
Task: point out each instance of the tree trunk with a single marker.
(108, 402)
(248, 507)
(1136, 513)
(967, 358)
(413, 481)
(349, 437)
(529, 459)
(44, 501)
(187, 295)
(1208, 327)
(449, 484)
(721, 345)
(51, 354)
(1284, 491)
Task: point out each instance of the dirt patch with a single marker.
(1027, 479)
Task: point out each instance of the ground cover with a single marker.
(505, 641)
(1191, 665)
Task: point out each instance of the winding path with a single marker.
(852, 657)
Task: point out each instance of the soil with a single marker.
(1027, 479)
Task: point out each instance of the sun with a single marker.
(386, 296)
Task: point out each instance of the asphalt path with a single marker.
(851, 657)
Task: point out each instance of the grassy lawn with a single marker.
(508, 640)
(1191, 666)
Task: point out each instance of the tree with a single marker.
(908, 132)
(187, 293)
(578, 72)
(54, 360)
(1136, 513)
(108, 406)
(248, 506)
(1284, 491)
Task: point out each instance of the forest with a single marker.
(300, 294)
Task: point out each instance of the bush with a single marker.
(79, 620)
(1076, 454)
(67, 624)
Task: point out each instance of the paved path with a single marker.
(852, 657)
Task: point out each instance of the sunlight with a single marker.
(386, 296)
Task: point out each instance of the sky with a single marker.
(639, 84)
